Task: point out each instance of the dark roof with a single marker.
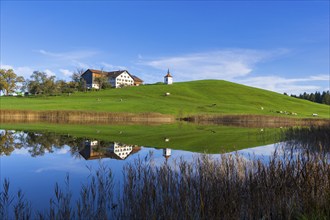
(168, 73)
(97, 71)
(113, 74)
(137, 79)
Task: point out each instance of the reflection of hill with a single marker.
(181, 136)
(96, 150)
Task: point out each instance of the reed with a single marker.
(85, 117)
(255, 121)
(292, 186)
(314, 138)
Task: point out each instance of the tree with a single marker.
(77, 80)
(102, 82)
(40, 83)
(64, 87)
(9, 80)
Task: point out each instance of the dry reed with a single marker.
(81, 117)
(255, 121)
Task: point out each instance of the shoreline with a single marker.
(87, 117)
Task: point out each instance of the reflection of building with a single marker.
(97, 150)
(167, 152)
(121, 150)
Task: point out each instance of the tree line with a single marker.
(318, 97)
(40, 83)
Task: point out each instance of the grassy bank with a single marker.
(186, 98)
(229, 187)
(181, 136)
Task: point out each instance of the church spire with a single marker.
(168, 79)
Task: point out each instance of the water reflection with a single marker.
(222, 139)
(39, 159)
(36, 143)
(94, 149)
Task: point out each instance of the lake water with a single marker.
(36, 157)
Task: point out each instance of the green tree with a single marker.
(8, 143)
(40, 83)
(9, 80)
(103, 82)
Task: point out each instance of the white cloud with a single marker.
(69, 58)
(71, 55)
(110, 67)
(321, 77)
(222, 64)
(24, 71)
(66, 72)
(49, 72)
(288, 85)
(6, 67)
(79, 64)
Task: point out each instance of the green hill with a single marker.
(186, 98)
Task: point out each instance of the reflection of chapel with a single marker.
(168, 79)
(167, 153)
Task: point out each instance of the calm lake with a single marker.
(36, 156)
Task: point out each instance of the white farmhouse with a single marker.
(116, 79)
(120, 78)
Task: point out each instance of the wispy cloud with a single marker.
(24, 71)
(222, 64)
(288, 85)
(49, 72)
(71, 55)
(109, 66)
(66, 73)
(235, 65)
(77, 59)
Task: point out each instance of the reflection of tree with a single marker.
(37, 143)
(7, 143)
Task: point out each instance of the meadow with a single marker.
(185, 99)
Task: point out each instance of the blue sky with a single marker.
(276, 45)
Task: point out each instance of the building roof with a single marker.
(114, 74)
(137, 79)
(96, 71)
(168, 73)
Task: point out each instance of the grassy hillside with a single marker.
(196, 97)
